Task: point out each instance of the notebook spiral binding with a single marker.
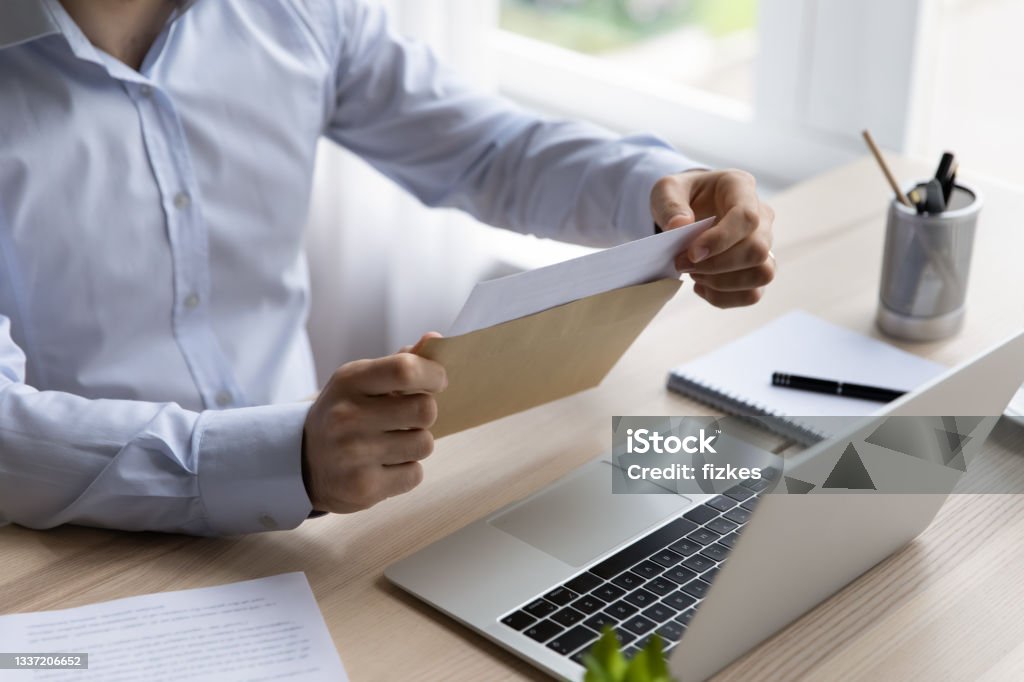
(755, 413)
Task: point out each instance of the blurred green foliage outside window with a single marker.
(597, 26)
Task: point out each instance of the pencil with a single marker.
(885, 169)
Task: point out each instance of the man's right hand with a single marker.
(367, 431)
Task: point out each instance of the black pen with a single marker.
(951, 185)
(944, 176)
(875, 393)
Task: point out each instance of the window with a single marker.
(779, 87)
(705, 44)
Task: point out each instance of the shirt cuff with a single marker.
(250, 468)
(634, 212)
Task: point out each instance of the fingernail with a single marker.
(698, 289)
(683, 264)
(699, 254)
(679, 220)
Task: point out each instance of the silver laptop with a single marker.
(543, 576)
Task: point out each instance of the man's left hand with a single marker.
(732, 262)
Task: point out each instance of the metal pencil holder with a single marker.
(925, 268)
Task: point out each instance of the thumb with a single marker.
(682, 218)
(670, 204)
(426, 337)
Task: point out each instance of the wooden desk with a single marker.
(947, 606)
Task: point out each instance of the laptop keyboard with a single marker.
(652, 586)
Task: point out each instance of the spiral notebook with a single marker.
(737, 378)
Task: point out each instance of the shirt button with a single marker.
(182, 201)
(145, 91)
(224, 399)
(192, 302)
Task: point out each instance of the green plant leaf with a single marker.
(657, 666)
(605, 662)
(596, 673)
(637, 670)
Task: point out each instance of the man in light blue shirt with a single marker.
(156, 161)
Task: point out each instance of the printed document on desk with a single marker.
(268, 629)
(637, 262)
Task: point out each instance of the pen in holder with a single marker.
(925, 267)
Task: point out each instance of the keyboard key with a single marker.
(567, 616)
(659, 613)
(584, 582)
(641, 598)
(698, 563)
(679, 601)
(721, 503)
(756, 484)
(660, 586)
(639, 625)
(630, 651)
(679, 574)
(540, 608)
(685, 547)
(624, 635)
(560, 596)
(572, 640)
(578, 656)
(543, 631)
(750, 504)
(588, 604)
(608, 592)
(685, 617)
(709, 576)
(628, 580)
(701, 515)
(666, 558)
(598, 621)
(620, 610)
(649, 569)
(703, 536)
(696, 588)
(716, 552)
(721, 525)
(739, 493)
(644, 641)
(729, 540)
(671, 631)
(643, 548)
(518, 620)
(738, 515)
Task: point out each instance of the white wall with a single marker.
(971, 86)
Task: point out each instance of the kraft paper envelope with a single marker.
(516, 365)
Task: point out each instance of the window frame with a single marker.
(840, 67)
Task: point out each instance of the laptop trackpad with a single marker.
(579, 518)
